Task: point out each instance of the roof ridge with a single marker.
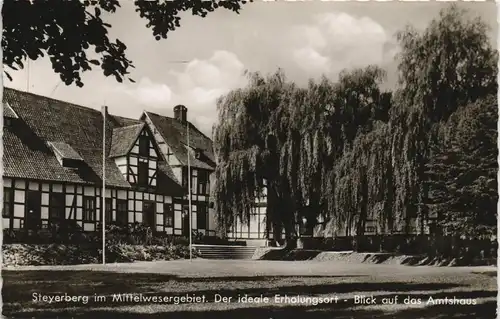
(128, 126)
(173, 118)
(47, 133)
(117, 138)
(54, 99)
(153, 113)
(66, 102)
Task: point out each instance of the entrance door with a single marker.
(185, 222)
(148, 214)
(33, 215)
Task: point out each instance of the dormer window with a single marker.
(65, 154)
(197, 154)
(8, 114)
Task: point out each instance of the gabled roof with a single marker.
(168, 179)
(71, 129)
(27, 156)
(174, 133)
(124, 138)
(123, 121)
(64, 150)
(44, 119)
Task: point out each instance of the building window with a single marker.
(201, 216)
(57, 203)
(168, 215)
(143, 170)
(202, 182)
(122, 211)
(33, 207)
(89, 209)
(8, 204)
(149, 213)
(144, 146)
(370, 229)
(108, 210)
(185, 178)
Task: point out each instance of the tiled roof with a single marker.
(123, 139)
(123, 121)
(168, 180)
(27, 156)
(174, 133)
(42, 120)
(65, 150)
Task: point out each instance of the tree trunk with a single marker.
(290, 236)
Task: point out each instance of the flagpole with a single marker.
(189, 199)
(103, 204)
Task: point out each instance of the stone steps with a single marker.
(225, 251)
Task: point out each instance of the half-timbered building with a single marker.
(53, 159)
(171, 135)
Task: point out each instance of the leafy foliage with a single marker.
(347, 153)
(450, 64)
(292, 138)
(439, 72)
(66, 244)
(462, 173)
(63, 254)
(68, 30)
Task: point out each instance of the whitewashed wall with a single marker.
(74, 195)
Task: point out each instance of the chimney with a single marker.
(180, 113)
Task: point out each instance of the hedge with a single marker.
(67, 244)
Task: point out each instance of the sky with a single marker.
(206, 57)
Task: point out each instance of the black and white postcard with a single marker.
(249, 159)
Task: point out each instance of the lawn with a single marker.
(208, 278)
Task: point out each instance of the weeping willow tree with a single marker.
(451, 63)
(360, 107)
(364, 184)
(292, 138)
(247, 142)
(346, 150)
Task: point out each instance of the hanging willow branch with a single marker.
(348, 151)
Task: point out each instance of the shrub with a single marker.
(60, 254)
(66, 243)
